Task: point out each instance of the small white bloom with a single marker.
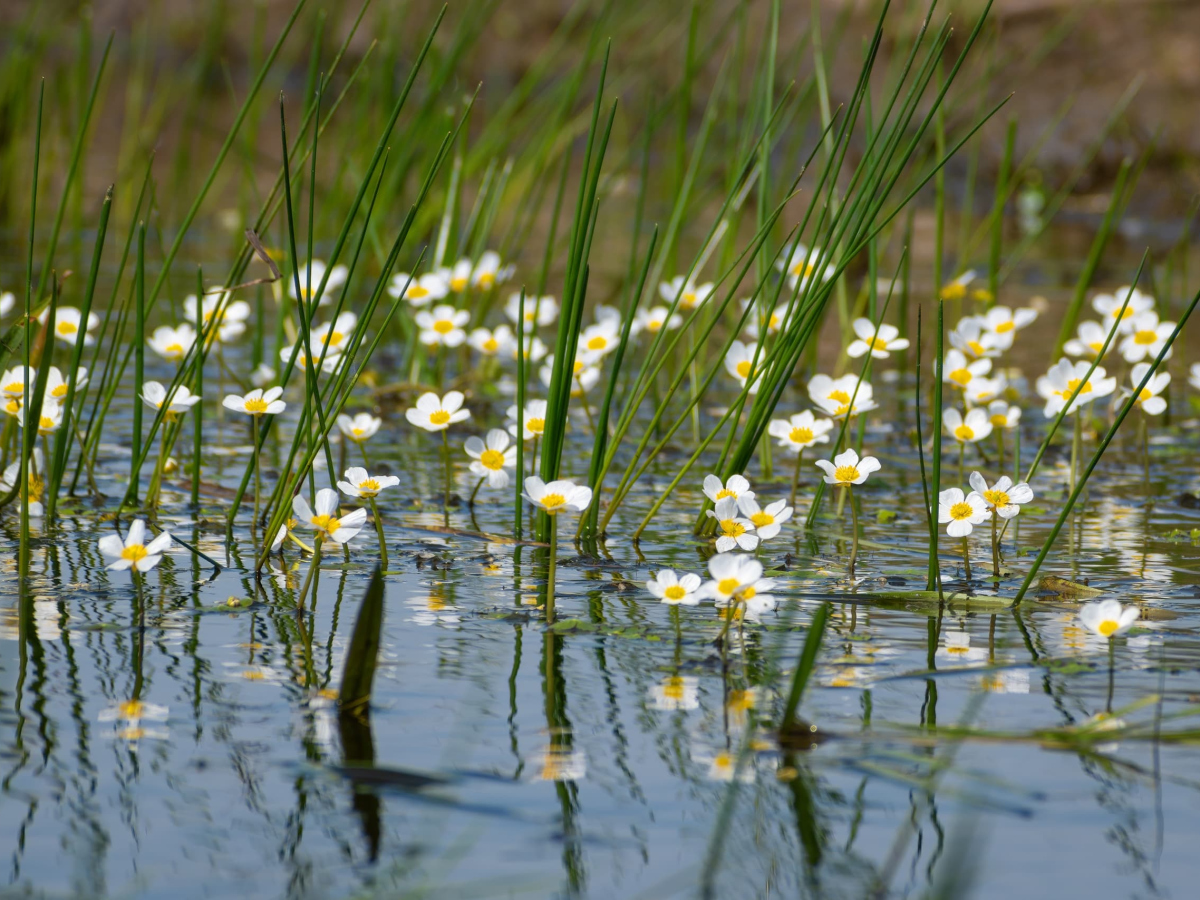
(257, 403)
(973, 339)
(360, 427)
(674, 590)
(834, 395)
(434, 413)
(1064, 378)
(359, 484)
(328, 365)
(1146, 338)
(690, 295)
(741, 363)
(984, 390)
(37, 481)
(766, 521)
(155, 396)
(879, 340)
(492, 456)
(776, 321)
(489, 342)
(1108, 618)
(1148, 399)
(1004, 323)
(584, 376)
(847, 468)
(337, 277)
(677, 692)
(802, 263)
(733, 531)
(172, 344)
(736, 486)
(1004, 498)
(959, 513)
(957, 289)
(1003, 415)
(737, 578)
(959, 372)
(974, 427)
(557, 496)
(419, 290)
(1109, 307)
(262, 375)
(597, 341)
(68, 321)
(56, 385)
(232, 315)
(325, 520)
(50, 419)
(334, 334)
(801, 431)
(443, 326)
(1088, 341)
(655, 319)
(133, 552)
(488, 272)
(956, 648)
(539, 311)
(534, 424)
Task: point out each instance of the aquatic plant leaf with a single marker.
(358, 676)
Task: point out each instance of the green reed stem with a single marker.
(139, 362)
(804, 669)
(383, 554)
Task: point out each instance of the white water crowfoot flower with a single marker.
(801, 431)
(690, 295)
(68, 321)
(1088, 341)
(1003, 415)
(834, 395)
(672, 590)
(443, 326)
(878, 341)
(767, 522)
(847, 468)
(737, 580)
(8, 300)
(155, 396)
(420, 290)
(1004, 498)
(802, 263)
(434, 413)
(1109, 306)
(534, 420)
(975, 426)
(1003, 323)
(557, 496)
(655, 319)
(56, 385)
(1146, 338)
(172, 344)
(133, 552)
(362, 427)
(735, 486)
(982, 391)
(489, 342)
(734, 531)
(957, 289)
(49, 420)
(37, 483)
(973, 339)
(958, 372)
(324, 521)
(233, 314)
(257, 403)
(961, 513)
(1148, 399)
(359, 484)
(333, 334)
(1108, 618)
(337, 277)
(741, 362)
(1064, 378)
(491, 456)
(539, 311)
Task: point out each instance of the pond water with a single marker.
(627, 752)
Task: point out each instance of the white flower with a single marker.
(421, 290)
(328, 365)
(584, 376)
(690, 295)
(56, 385)
(134, 711)
(801, 431)
(1004, 497)
(337, 277)
(971, 337)
(802, 263)
(672, 590)
(7, 301)
(957, 289)
(434, 413)
(775, 322)
(833, 395)
(767, 521)
(677, 692)
(443, 326)
(180, 402)
(334, 334)
(962, 513)
(655, 319)
(67, 322)
(133, 551)
(737, 578)
(492, 456)
(361, 427)
(12, 384)
(325, 521)
(488, 272)
(1108, 618)
(539, 311)
(1065, 378)
(557, 496)
(257, 403)
(975, 427)
(50, 419)
(984, 390)
(736, 487)
(959, 372)
(596, 341)
(1194, 376)
(489, 342)
(535, 347)
(957, 648)
(1146, 338)
(1109, 307)
(262, 375)
(847, 469)
(1004, 323)
(1149, 400)
(359, 484)
(878, 341)
(1003, 415)
(1088, 342)
(534, 424)
(37, 481)
(233, 314)
(741, 364)
(172, 344)
(734, 530)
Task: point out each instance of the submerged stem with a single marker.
(383, 557)
(796, 478)
(310, 578)
(995, 545)
(550, 571)
(854, 527)
(446, 457)
(966, 559)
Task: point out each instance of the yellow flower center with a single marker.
(954, 291)
(727, 585)
(732, 528)
(740, 701)
(762, 518)
(12, 407)
(334, 337)
(15, 387)
(774, 321)
(688, 300)
(358, 432)
(487, 279)
(1117, 314)
(1072, 386)
(874, 343)
(961, 377)
(416, 292)
(458, 284)
(977, 348)
(443, 326)
(1145, 338)
(748, 593)
(744, 368)
(1096, 346)
(130, 709)
(839, 396)
(492, 459)
(46, 423)
(1144, 395)
(996, 498)
(999, 420)
(326, 523)
(846, 474)
(536, 425)
(674, 688)
(577, 368)
(439, 417)
(964, 433)
(800, 435)
(654, 325)
(256, 406)
(134, 553)
(803, 268)
(962, 510)
(726, 492)
(369, 486)
(59, 391)
(491, 345)
(553, 501)
(1005, 327)
(67, 328)
(173, 349)
(674, 592)
(599, 342)
(1108, 626)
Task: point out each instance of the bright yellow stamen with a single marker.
(874, 343)
(553, 501)
(326, 523)
(674, 688)
(492, 459)
(174, 350)
(439, 417)
(60, 391)
(839, 396)
(46, 423)
(369, 486)
(357, 432)
(1005, 327)
(744, 368)
(1072, 386)
(654, 325)
(458, 284)
(846, 474)
(996, 498)
(727, 585)
(726, 492)
(599, 342)
(954, 291)
(748, 593)
(487, 279)
(977, 348)
(443, 326)
(962, 510)
(1117, 314)
(256, 406)
(1145, 338)
(999, 420)
(674, 592)
(130, 709)
(536, 425)
(803, 268)
(416, 292)
(134, 553)
(491, 345)
(732, 528)
(577, 368)
(1144, 395)
(800, 435)
(964, 433)
(762, 518)
(961, 377)
(67, 328)
(1108, 626)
